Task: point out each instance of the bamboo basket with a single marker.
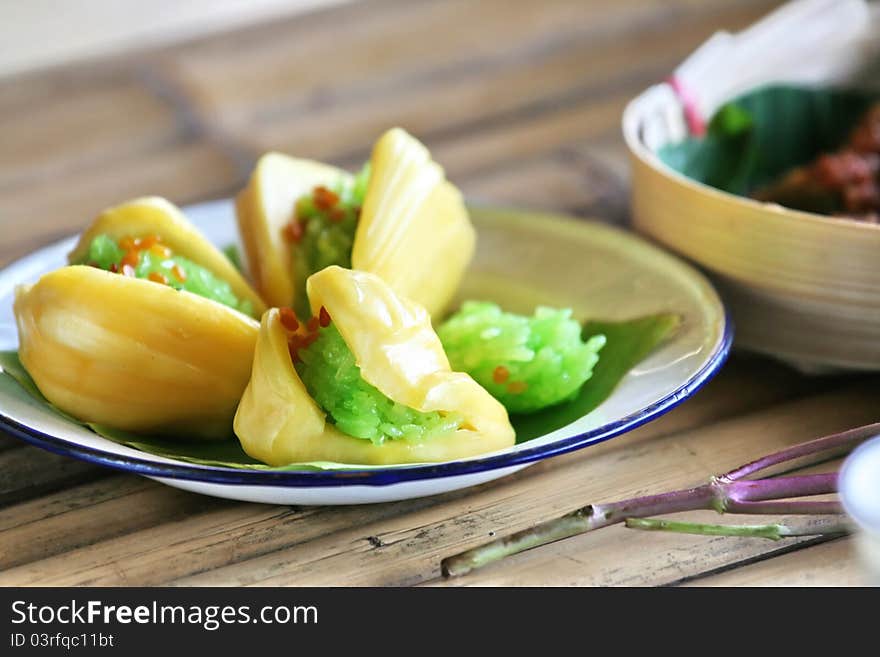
(802, 287)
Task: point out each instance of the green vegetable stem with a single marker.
(728, 493)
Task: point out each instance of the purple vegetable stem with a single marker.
(729, 493)
(840, 442)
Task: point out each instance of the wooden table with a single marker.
(521, 102)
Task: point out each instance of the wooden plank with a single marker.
(236, 532)
(407, 549)
(298, 66)
(205, 540)
(565, 181)
(110, 506)
(80, 127)
(835, 563)
(26, 472)
(8, 442)
(473, 100)
(183, 172)
(22, 93)
(36, 37)
(494, 149)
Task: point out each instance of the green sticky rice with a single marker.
(527, 363)
(329, 372)
(105, 253)
(327, 241)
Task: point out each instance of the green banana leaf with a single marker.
(628, 343)
(755, 138)
(232, 252)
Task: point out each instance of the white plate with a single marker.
(523, 259)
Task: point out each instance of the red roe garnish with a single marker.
(293, 231)
(301, 335)
(146, 242)
(297, 341)
(293, 345)
(130, 258)
(288, 319)
(325, 199)
(132, 247)
(500, 374)
(517, 387)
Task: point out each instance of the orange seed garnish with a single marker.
(293, 231)
(325, 198)
(156, 277)
(288, 319)
(130, 258)
(146, 242)
(500, 374)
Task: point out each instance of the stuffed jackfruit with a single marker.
(148, 331)
(364, 381)
(399, 218)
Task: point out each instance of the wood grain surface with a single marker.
(521, 102)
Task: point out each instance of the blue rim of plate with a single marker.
(378, 477)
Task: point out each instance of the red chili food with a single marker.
(844, 183)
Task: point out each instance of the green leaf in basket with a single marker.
(731, 120)
(627, 343)
(756, 138)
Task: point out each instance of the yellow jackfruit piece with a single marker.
(133, 354)
(414, 230)
(397, 351)
(153, 215)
